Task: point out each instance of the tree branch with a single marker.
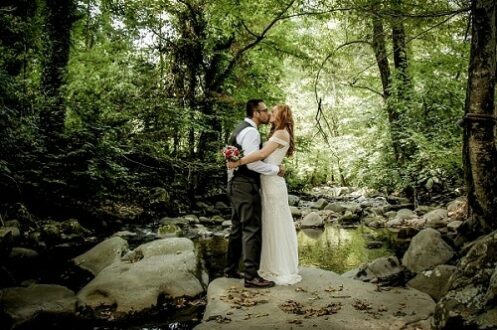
(356, 77)
(258, 38)
(367, 88)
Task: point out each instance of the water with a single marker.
(337, 249)
(332, 248)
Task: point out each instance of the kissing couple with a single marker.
(262, 229)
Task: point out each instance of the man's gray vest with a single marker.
(243, 170)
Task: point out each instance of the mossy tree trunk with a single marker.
(479, 151)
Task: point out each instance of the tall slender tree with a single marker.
(479, 149)
(59, 16)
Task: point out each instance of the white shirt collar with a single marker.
(251, 122)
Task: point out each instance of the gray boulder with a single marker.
(296, 212)
(12, 232)
(470, 302)
(221, 206)
(433, 282)
(293, 200)
(166, 267)
(23, 304)
(436, 218)
(102, 255)
(169, 230)
(320, 204)
(21, 253)
(349, 217)
(456, 204)
(427, 250)
(453, 226)
(423, 209)
(405, 214)
(313, 219)
(384, 270)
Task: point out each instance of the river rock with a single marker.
(313, 219)
(436, 218)
(405, 214)
(182, 222)
(423, 209)
(202, 231)
(341, 191)
(320, 204)
(416, 223)
(21, 253)
(470, 302)
(282, 306)
(349, 217)
(102, 255)
(56, 232)
(378, 203)
(124, 233)
(390, 214)
(169, 230)
(13, 232)
(433, 282)
(384, 270)
(397, 200)
(168, 267)
(192, 218)
(374, 244)
(336, 207)
(293, 200)
(221, 206)
(453, 226)
(23, 304)
(373, 219)
(204, 207)
(427, 250)
(456, 210)
(296, 212)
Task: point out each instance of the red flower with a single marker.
(231, 153)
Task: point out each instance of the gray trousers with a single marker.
(245, 236)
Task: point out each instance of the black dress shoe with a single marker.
(233, 275)
(258, 282)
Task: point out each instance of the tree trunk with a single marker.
(59, 18)
(479, 149)
(380, 52)
(399, 48)
(400, 102)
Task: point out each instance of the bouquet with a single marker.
(232, 153)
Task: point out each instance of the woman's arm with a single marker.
(261, 154)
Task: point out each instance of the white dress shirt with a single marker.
(250, 139)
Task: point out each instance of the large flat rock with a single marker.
(323, 300)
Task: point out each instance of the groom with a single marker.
(243, 191)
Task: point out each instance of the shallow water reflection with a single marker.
(332, 248)
(337, 249)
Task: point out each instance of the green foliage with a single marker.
(154, 88)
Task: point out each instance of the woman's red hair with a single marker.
(284, 120)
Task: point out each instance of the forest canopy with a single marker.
(113, 105)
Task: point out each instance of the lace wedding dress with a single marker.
(279, 253)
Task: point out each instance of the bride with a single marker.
(279, 255)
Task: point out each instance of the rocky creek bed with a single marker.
(163, 275)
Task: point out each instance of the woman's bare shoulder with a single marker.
(282, 134)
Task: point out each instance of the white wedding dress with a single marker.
(279, 253)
